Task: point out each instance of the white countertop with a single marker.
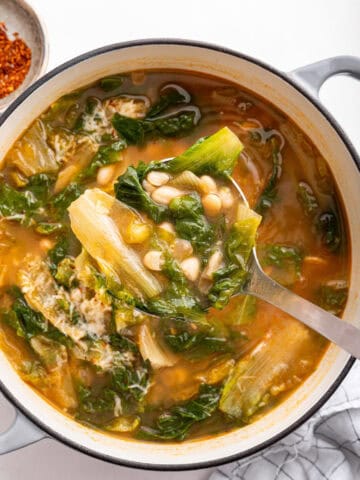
(283, 33)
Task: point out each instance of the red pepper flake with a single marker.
(15, 61)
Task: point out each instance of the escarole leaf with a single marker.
(269, 193)
(332, 296)
(135, 131)
(151, 350)
(55, 358)
(25, 204)
(230, 279)
(249, 386)
(93, 218)
(178, 300)
(172, 95)
(215, 155)
(43, 295)
(194, 340)
(285, 260)
(129, 190)
(106, 155)
(241, 238)
(23, 319)
(81, 157)
(175, 423)
(31, 154)
(191, 223)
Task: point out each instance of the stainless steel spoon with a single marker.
(260, 285)
(331, 327)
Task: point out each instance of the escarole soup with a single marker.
(121, 273)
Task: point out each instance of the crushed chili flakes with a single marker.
(15, 61)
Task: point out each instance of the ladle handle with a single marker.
(331, 327)
(313, 76)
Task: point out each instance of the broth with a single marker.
(139, 370)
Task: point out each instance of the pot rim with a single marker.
(328, 116)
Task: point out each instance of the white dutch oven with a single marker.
(296, 95)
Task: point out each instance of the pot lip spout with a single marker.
(36, 420)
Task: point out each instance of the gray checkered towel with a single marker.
(326, 447)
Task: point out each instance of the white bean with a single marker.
(153, 260)
(207, 184)
(105, 174)
(148, 187)
(165, 194)
(213, 264)
(212, 204)
(158, 178)
(182, 249)
(167, 227)
(46, 244)
(191, 268)
(226, 197)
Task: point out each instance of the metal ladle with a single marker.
(329, 326)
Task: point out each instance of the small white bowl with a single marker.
(19, 17)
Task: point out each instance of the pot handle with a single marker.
(20, 434)
(313, 76)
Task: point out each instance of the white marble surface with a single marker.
(284, 33)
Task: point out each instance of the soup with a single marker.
(124, 250)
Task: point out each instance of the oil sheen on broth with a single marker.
(116, 282)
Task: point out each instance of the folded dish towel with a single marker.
(326, 447)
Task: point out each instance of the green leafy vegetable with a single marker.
(93, 221)
(171, 97)
(186, 337)
(332, 297)
(191, 223)
(64, 199)
(25, 205)
(23, 319)
(176, 423)
(330, 230)
(124, 391)
(307, 198)
(129, 190)
(245, 310)
(44, 295)
(54, 357)
(286, 260)
(106, 155)
(65, 272)
(45, 228)
(248, 387)
(57, 254)
(281, 255)
(64, 111)
(178, 301)
(269, 193)
(108, 84)
(228, 282)
(175, 125)
(152, 350)
(96, 406)
(31, 154)
(17, 205)
(215, 155)
(230, 279)
(131, 383)
(90, 116)
(131, 129)
(135, 131)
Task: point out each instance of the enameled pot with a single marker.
(296, 94)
